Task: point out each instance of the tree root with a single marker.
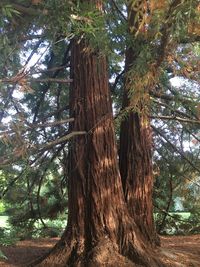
(103, 254)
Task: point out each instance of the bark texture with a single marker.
(135, 157)
(99, 231)
(136, 173)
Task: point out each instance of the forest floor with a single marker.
(181, 251)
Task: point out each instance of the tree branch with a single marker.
(175, 148)
(30, 11)
(36, 149)
(118, 10)
(175, 118)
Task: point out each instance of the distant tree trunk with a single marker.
(169, 202)
(135, 156)
(100, 231)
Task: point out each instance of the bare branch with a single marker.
(118, 10)
(49, 124)
(171, 97)
(31, 126)
(175, 118)
(54, 80)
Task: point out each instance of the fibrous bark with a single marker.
(135, 156)
(136, 172)
(100, 231)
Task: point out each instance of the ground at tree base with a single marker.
(176, 251)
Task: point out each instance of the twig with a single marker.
(175, 118)
(37, 149)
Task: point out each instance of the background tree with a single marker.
(146, 56)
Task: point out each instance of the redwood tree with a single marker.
(100, 231)
(148, 48)
(135, 156)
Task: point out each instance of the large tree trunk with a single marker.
(135, 157)
(136, 172)
(100, 231)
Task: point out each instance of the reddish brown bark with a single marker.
(136, 173)
(135, 156)
(99, 231)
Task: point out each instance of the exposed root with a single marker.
(62, 255)
(103, 254)
(106, 254)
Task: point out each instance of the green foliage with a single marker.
(54, 228)
(179, 224)
(8, 237)
(8, 11)
(2, 208)
(88, 22)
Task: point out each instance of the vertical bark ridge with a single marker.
(100, 231)
(135, 157)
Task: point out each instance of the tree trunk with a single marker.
(135, 156)
(169, 202)
(99, 231)
(136, 172)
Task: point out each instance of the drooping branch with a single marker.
(185, 103)
(191, 39)
(118, 10)
(175, 148)
(162, 225)
(30, 126)
(35, 49)
(174, 111)
(53, 76)
(179, 173)
(176, 118)
(165, 32)
(50, 114)
(37, 148)
(18, 79)
(2, 194)
(40, 184)
(168, 214)
(192, 134)
(118, 77)
(49, 124)
(23, 10)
